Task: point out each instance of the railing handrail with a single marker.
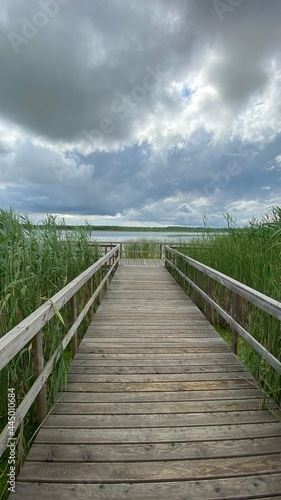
(31, 329)
(259, 299)
(136, 248)
(267, 304)
(16, 339)
(140, 242)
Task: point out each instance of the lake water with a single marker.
(118, 236)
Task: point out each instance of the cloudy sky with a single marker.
(139, 111)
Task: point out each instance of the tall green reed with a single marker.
(141, 249)
(36, 262)
(251, 255)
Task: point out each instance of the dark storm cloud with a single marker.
(138, 108)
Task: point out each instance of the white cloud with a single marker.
(128, 107)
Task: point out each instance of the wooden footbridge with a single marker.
(156, 405)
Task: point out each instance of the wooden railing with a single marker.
(175, 259)
(137, 249)
(30, 330)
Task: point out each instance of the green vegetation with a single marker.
(34, 265)
(141, 250)
(251, 255)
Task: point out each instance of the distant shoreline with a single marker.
(167, 229)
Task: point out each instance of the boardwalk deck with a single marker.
(156, 407)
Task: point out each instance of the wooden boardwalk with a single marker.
(156, 407)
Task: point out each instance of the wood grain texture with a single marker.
(156, 407)
(247, 487)
(119, 472)
(154, 451)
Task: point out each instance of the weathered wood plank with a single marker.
(92, 349)
(152, 378)
(151, 471)
(164, 434)
(157, 420)
(156, 451)
(130, 343)
(157, 357)
(246, 487)
(137, 397)
(199, 359)
(158, 387)
(155, 407)
(107, 334)
(137, 370)
(150, 342)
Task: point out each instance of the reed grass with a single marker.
(35, 263)
(141, 249)
(251, 255)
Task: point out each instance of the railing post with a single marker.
(169, 255)
(110, 266)
(20, 447)
(209, 293)
(160, 251)
(73, 319)
(99, 282)
(90, 312)
(185, 272)
(195, 295)
(235, 309)
(118, 255)
(121, 250)
(134, 250)
(105, 273)
(38, 366)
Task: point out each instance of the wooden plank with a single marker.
(218, 359)
(153, 323)
(157, 420)
(107, 334)
(156, 407)
(129, 343)
(246, 487)
(164, 434)
(158, 386)
(89, 349)
(133, 397)
(156, 451)
(153, 378)
(151, 471)
(171, 369)
(181, 357)
(152, 342)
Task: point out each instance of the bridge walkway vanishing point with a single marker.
(156, 407)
